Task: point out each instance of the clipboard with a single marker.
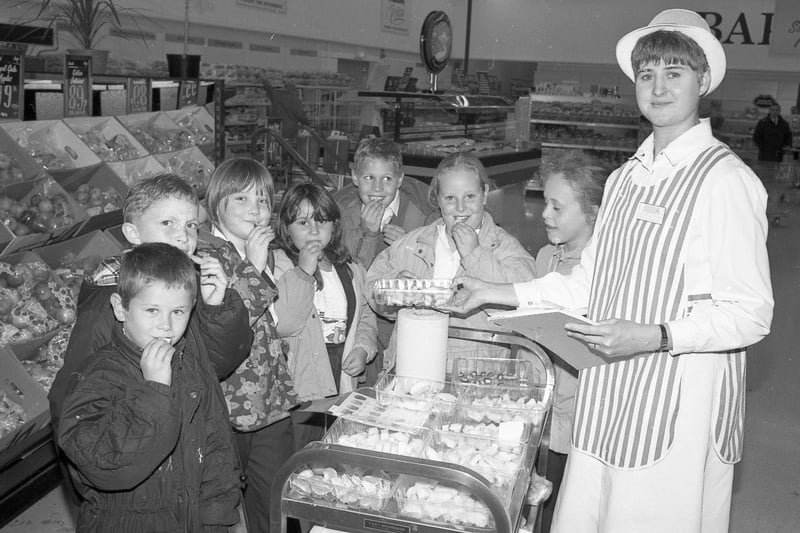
(546, 327)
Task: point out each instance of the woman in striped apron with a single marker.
(677, 277)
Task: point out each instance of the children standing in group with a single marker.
(464, 241)
(260, 391)
(573, 190)
(165, 209)
(145, 427)
(322, 308)
(379, 207)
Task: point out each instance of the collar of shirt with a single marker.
(446, 258)
(681, 149)
(391, 210)
(215, 231)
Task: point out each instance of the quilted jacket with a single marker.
(499, 257)
(260, 391)
(219, 333)
(148, 457)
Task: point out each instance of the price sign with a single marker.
(77, 86)
(187, 92)
(11, 86)
(139, 95)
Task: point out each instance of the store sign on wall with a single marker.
(786, 28)
(77, 86)
(11, 86)
(395, 16)
(278, 6)
(139, 95)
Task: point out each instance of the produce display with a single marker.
(116, 148)
(73, 269)
(12, 415)
(189, 167)
(160, 140)
(42, 213)
(96, 200)
(33, 301)
(350, 486)
(49, 360)
(412, 292)
(9, 168)
(46, 153)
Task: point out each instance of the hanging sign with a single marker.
(187, 92)
(395, 16)
(11, 92)
(139, 95)
(77, 86)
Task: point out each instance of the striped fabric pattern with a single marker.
(626, 411)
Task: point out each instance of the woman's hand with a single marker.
(617, 338)
(355, 362)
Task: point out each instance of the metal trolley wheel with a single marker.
(362, 521)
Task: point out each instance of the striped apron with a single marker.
(625, 412)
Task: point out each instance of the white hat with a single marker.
(690, 24)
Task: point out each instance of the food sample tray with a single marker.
(412, 292)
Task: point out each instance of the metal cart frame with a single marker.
(361, 521)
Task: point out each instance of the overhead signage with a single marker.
(187, 92)
(139, 95)
(77, 86)
(11, 93)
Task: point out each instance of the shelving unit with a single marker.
(246, 109)
(329, 108)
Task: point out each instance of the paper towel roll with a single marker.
(422, 343)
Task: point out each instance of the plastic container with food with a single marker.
(416, 393)
(342, 485)
(365, 437)
(408, 292)
(440, 502)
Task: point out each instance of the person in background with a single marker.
(145, 427)
(260, 392)
(379, 207)
(677, 278)
(772, 135)
(464, 241)
(163, 208)
(322, 306)
(573, 189)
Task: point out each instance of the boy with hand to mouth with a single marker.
(145, 426)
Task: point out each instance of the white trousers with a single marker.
(688, 491)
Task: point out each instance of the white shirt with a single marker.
(727, 253)
(446, 260)
(331, 304)
(391, 210)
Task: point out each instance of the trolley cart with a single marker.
(382, 511)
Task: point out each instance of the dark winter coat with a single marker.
(218, 333)
(771, 138)
(148, 457)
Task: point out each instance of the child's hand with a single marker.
(213, 280)
(371, 216)
(355, 362)
(392, 232)
(465, 238)
(156, 361)
(309, 255)
(405, 274)
(257, 246)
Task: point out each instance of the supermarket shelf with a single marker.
(585, 124)
(248, 104)
(629, 149)
(237, 123)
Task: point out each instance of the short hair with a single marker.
(379, 148)
(584, 173)
(454, 161)
(154, 262)
(671, 47)
(325, 209)
(148, 191)
(234, 175)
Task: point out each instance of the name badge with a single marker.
(650, 213)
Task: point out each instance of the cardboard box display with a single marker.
(134, 171)
(192, 165)
(101, 193)
(76, 258)
(157, 132)
(55, 147)
(116, 234)
(15, 163)
(196, 121)
(23, 390)
(41, 324)
(107, 138)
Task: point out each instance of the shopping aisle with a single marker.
(767, 483)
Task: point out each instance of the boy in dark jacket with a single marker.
(145, 426)
(164, 209)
